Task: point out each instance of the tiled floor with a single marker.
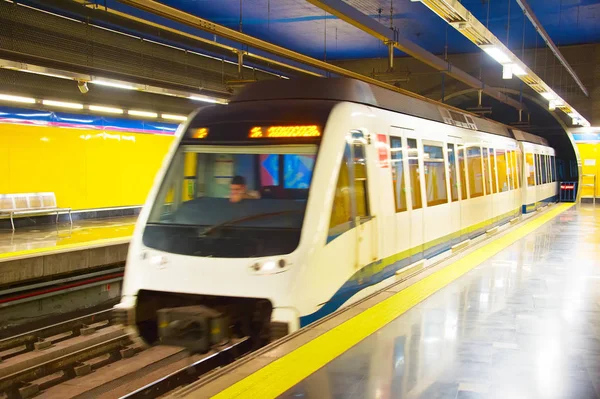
(524, 324)
(53, 236)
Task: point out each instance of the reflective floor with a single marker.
(52, 236)
(524, 324)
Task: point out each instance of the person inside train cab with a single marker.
(238, 190)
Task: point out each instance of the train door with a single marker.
(364, 220)
(464, 193)
(415, 167)
(454, 179)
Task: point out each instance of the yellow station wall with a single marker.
(86, 168)
(589, 152)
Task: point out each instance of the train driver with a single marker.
(239, 192)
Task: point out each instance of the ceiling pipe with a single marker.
(358, 19)
(156, 8)
(540, 29)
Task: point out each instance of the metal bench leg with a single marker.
(12, 223)
(56, 218)
(70, 217)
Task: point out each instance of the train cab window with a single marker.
(493, 170)
(435, 174)
(398, 173)
(486, 171)
(462, 166)
(502, 170)
(452, 171)
(530, 169)
(475, 172)
(544, 165)
(232, 202)
(415, 175)
(341, 211)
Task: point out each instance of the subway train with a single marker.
(303, 196)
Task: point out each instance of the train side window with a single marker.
(518, 158)
(475, 172)
(548, 168)
(514, 169)
(510, 171)
(341, 211)
(398, 173)
(544, 170)
(502, 170)
(415, 175)
(360, 173)
(552, 170)
(486, 171)
(462, 166)
(452, 172)
(435, 174)
(493, 169)
(530, 169)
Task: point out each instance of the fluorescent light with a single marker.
(552, 105)
(548, 95)
(108, 110)
(559, 102)
(145, 114)
(174, 117)
(112, 84)
(517, 70)
(205, 99)
(62, 104)
(496, 54)
(507, 71)
(17, 99)
(573, 114)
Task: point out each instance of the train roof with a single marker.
(356, 91)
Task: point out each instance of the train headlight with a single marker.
(269, 267)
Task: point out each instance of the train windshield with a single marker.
(232, 201)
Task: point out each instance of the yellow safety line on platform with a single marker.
(62, 248)
(279, 376)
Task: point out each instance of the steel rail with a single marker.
(74, 325)
(191, 373)
(10, 382)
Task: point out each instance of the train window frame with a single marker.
(544, 169)
(537, 169)
(518, 158)
(416, 191)
(453, 172)
(462, 166)
(493, 169)
(426, 169)
(529, 161)
(399, 189)
(358, 140)
(502, 152)
(486, 169)
(472, 173)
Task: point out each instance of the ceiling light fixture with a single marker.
(62, 104)
(145, 114)
(108, 110)
(174, 117)
(204, 99)
(496, 54)
(113, 84)
(17, 99)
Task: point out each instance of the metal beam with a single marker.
(182, 17)
(356, 18)
(540, 29)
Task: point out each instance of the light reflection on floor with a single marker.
(524, 324)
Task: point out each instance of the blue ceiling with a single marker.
(298, 25)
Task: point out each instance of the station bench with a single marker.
(16, 205)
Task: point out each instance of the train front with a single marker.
(221, 237)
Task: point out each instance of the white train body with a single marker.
(466, 180)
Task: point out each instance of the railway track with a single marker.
(90, 357)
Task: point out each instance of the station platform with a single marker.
(515, 317)
(32, 241)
